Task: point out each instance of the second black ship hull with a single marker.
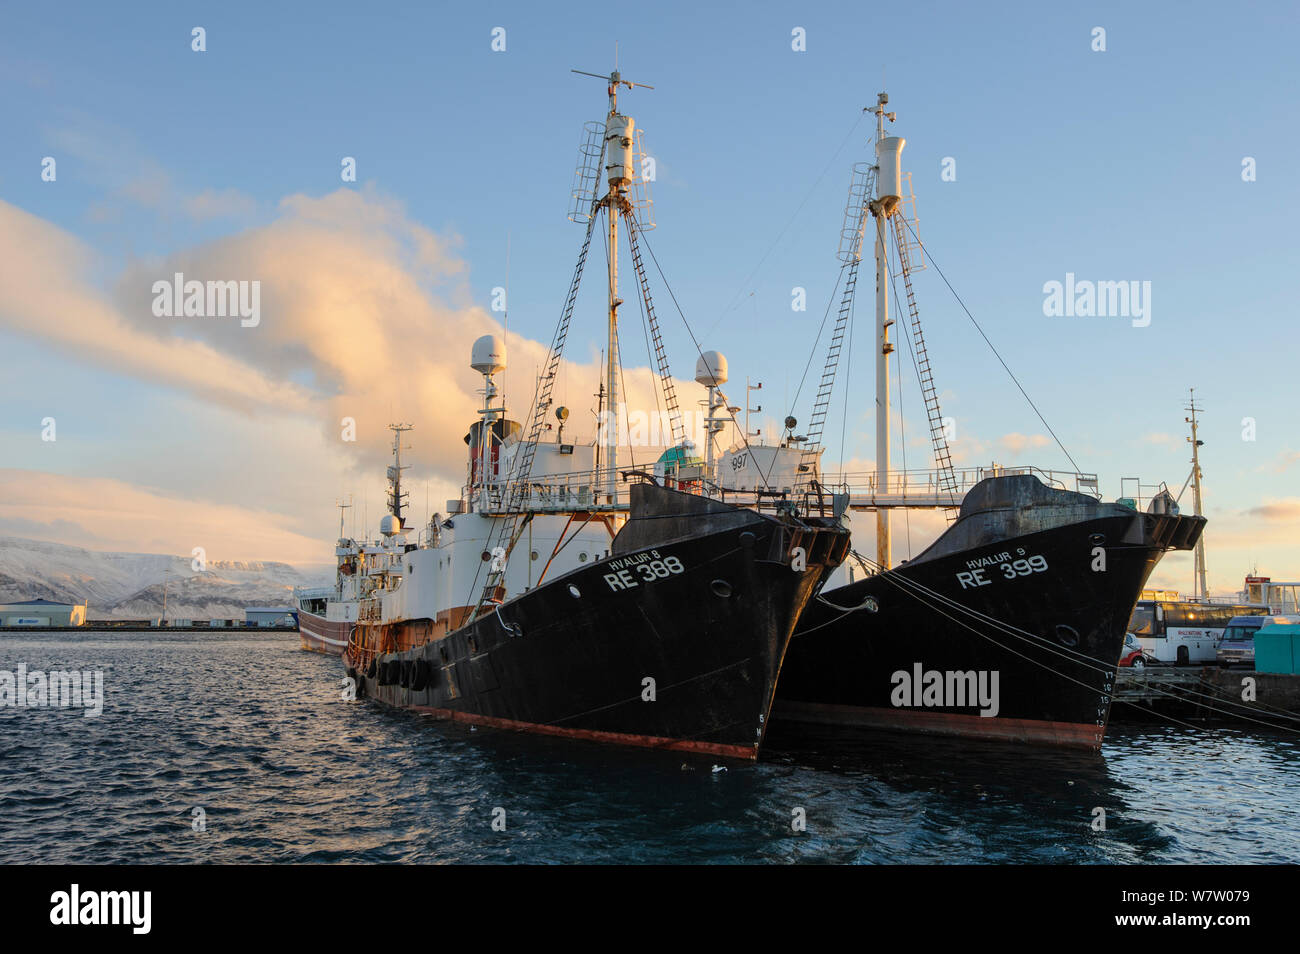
(684, 654)
(1009, 627)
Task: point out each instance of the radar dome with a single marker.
(711, 369)
(488, 355)
(390, 525)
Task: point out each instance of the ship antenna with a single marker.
(396, 498)
(343, 507)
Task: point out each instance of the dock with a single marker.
(1206, 693)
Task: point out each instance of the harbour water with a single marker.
(239, 747)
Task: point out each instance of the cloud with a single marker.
(364, 315)
(966, 451)
(214, 204)
(1284, 462)
(1238, 542)
(1286, 510)
(110, 157)
(47, 296)
(52, 506)
(1018, 443)
(1159, 439)
(911, 531)
(57, 530)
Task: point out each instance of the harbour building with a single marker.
(42, 613)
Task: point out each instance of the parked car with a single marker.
(1237, 647)
(1134, 655)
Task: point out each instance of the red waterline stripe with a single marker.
(1071, 734)
(595, 735)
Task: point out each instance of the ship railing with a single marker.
(314, 592)
(587, 490)
(930, 488)
(575, 491)
(1139, 494)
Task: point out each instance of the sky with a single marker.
(1167, 157)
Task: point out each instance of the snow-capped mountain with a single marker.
(130, 585)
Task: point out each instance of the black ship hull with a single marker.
(675, 641)
(1009, 627)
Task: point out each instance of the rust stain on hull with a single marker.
(594, 735)
(1068, 734)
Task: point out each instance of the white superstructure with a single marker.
(441, 576)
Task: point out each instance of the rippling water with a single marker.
(253, 731)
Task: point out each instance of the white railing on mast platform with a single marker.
(585, 490)
(935, 488)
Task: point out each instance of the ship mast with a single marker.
(343, 509)
(617, 138)
(1198, 582)
(620, 134)
(888, 191)
(614, 199)
(396, 499)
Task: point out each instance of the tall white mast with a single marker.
(612, 140)
(620, 136)
(888, 190)
(1198, 583)
(618, 160)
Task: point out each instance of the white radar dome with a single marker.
(711, 369)
(488, 355)
(390, 525)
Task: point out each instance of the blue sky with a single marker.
(1117, 165)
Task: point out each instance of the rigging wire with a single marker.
(662, 277)
(996, 354)
(786, 227)
(1006, 648)
(1183, 696)
(902, 418)
(811, 354)
(820, 328)
(1180, 696)
(912, 588)
(1185, 483)
(933, 599)
(848, 362)
(1013, 630)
